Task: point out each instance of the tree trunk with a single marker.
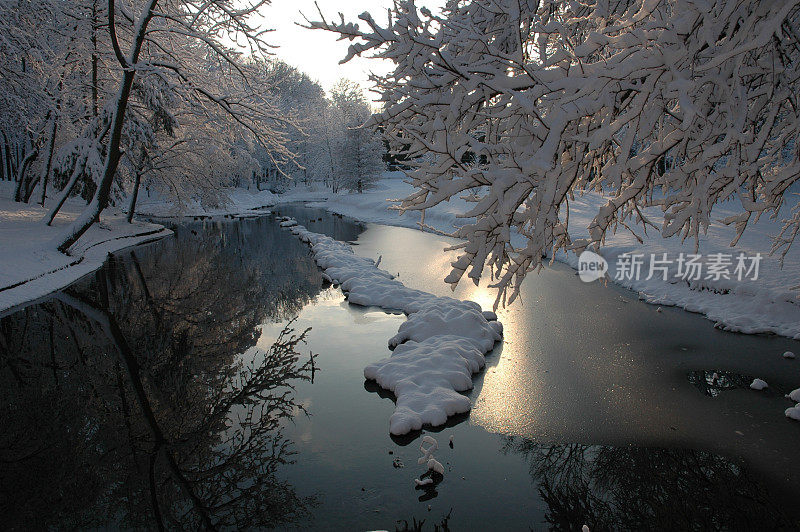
(100, 200)
(134, 195)
(49, 164)
(22, 189)
(76, 173)
(29, 188)
(95, 25)
(3, 171)
(9, 160)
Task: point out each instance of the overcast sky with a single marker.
(318, 53)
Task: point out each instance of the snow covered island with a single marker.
(436, 351)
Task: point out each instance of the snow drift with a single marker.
(436, 351)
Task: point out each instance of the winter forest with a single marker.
(399, 264)
(100, 100)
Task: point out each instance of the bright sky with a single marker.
(317, 52)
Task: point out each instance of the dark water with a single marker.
(166, 389)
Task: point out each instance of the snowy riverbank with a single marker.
(766, 305)
(30, 265)
(30, 268)
(241, 202)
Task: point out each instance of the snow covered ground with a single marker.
(765, 305)
(436, 351)
(30, 265)
(241, 202)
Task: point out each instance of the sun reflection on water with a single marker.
(508, 385)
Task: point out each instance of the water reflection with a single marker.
(443, 525)
(714, 382)
(138, 398)
(319, 220)
(639, 488)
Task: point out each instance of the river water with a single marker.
(154, 392)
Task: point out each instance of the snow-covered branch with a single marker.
(677, 104)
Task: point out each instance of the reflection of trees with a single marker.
(419, 526)
(126, 401)
(637, 488)
(200, 278)
(319, 220)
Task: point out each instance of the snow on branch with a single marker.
(675, 104)
(100, 93)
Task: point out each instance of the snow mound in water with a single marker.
(447, 316)
(435, 466)
(758, 384)
(426, 378)
(436, 351)
(793, 412)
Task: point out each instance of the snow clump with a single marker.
(436, 351)
(433, 465)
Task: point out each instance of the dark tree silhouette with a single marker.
(641, 488)
(140, 398)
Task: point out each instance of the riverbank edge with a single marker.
(25, 292)
(33, 270)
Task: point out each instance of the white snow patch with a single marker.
(426, 378)
(30, 265)
(435, 466)
(427, 456)
(793, 412)
(794, 395)
(238, 202)
(758, 384)
(437, 350)
(788, 354)
(427, 452)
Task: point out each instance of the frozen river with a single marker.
(596, 409)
